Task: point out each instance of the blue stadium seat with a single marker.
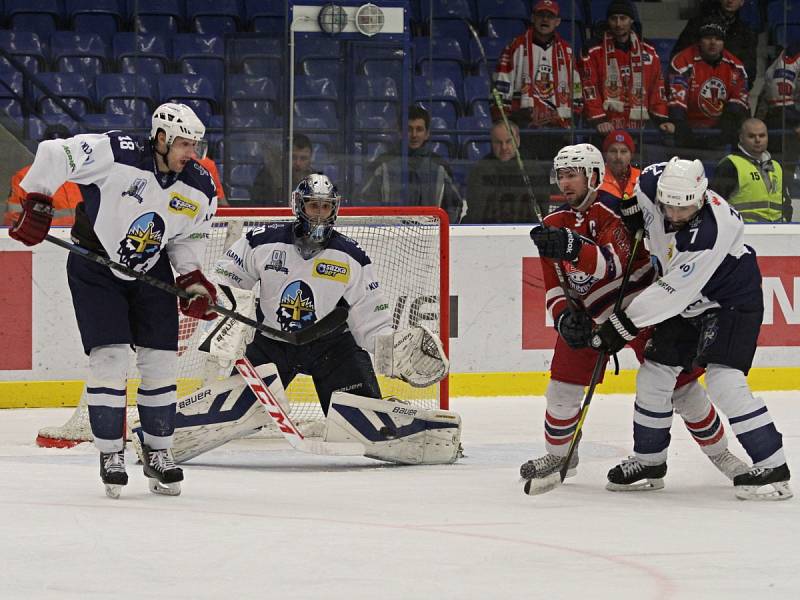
(454, 29)
(391, 67)
(121, 94)
(244, 150)
(195, 91)
(493, 47)
(663, 48)
(71, 87)
(271, 25)
(503, 9)
(10, 90)
(251, 114)
(322, 67)
(476, 149)
(315, 95)
(504, 29)
(100, 123)
(377, 97)
(216, 17)
(316, 47)
(253, 98)
(140, 53)
(84, 53)
(447, 9)
(264, 8)
(776, 17)
(439, 96)
(39, 16)
(157, 16)
(103, 17)
(440, 69)
(476, 90)
(321, 122)
(198, 54)
(25, 47)
(443, 49)
(254, 88)
(472, 129)
(388, 111)
(441, 132)
(788, 35)
(243, 174)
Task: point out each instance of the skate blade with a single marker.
(542, 485)
(771, 491)
(640, 486)
(164, 489)
(113, 490)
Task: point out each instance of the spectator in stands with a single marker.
(621, 175)
(65, 199)
(741, 41)
(782, 98)
(539, 83)
(623, 87)
(496, 192)
(429, 180)
(751, 180)
(708, 90)
(267, 188)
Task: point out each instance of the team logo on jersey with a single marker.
(578, 280)
(277, 262)
(296, 309)
(136, 190)
(331, 269)
(543, 81)
(712, 98)
(181, 205)
(143, 240)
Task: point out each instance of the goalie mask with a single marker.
(315, 204)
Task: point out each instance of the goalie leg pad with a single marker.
(212, 416)
(393, 431)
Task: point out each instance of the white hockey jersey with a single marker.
(704, 265)
(295, 292)
(133, 211)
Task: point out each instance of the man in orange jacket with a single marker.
(621, 176)
(65, 199)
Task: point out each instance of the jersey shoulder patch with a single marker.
(197, 176)
(131, 150)
(270, 234)
(648, 180)
(700, 233)
(349, 246)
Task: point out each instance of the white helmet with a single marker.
(178, 120)
(581, 156)
(682, 183)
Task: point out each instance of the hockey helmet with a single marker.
(315, 228)
(178, 120)
(584, 157)
(682, 183)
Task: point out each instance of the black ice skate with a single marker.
(112, 472)
(163, 477)
(763, 483)
(633, 476)
(548, 464)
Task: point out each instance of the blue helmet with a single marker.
(312, 229)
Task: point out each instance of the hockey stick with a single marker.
(328, 324)
(282, 420)
(535, 487)
(498, 101)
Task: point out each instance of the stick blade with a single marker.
(542, 485)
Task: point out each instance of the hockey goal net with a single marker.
(409, 248)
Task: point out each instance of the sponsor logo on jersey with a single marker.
(296, 308)
(372, 286)
(70, 160)
(228, 274)
(143, 240)
(235, 258)
(182, 205)
(665, 286)
(380, 307)
(331, 269)
(277, 262)
(87, 150)
(136, 189)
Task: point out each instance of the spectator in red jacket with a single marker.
(708, 90)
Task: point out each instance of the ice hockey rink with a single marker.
(259, 520)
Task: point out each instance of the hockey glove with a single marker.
(204, 294)
(34, 222)
(615, 333)
(631, 214)
(575, 328)
(558, 243)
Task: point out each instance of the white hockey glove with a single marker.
(229, 338)
(414, 355)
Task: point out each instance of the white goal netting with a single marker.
(409, 249)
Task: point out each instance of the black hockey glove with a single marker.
(558, 243)
(615, 333)
(575, 328)
(631, 214)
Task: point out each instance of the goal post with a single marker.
(409, 247)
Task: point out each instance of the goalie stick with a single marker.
(534, 487)
(328, 324)
(282, 420)
(498, 101)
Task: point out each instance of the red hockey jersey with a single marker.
(702, 89)
(595, 277)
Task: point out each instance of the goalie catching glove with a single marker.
(414, 355)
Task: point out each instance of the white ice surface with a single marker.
(259, 520)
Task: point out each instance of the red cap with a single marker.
(619, 136)
(548, 5)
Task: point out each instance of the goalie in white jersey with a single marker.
(707, 307)
(305, 269)
(148, 205)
